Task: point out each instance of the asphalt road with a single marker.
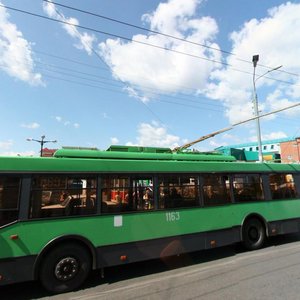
(224, 273)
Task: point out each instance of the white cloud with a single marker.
(135, 94)
(85, 40)
(274, 136)
(6, 145)
(215, 144)
(276, 40)
(278, 100)
(60, 119)
(114, 140)
(15, 52)
(156, 136)
(105, 115)
(270, 136)
(230, 139)
(146, 68)
(167, 72)
(33, 125)
(13, 153)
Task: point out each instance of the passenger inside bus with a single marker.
(148, 199)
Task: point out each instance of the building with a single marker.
(284, 150)
(48, 152)
(290, 151)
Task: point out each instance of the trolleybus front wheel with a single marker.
(254, 234)
(65, 268)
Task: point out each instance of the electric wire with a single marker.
(87, 28)
(138, 27)
(112, 34)
(99, 79)
(230, 66)
(114, 90)
(162, 34)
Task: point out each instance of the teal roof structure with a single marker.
(274, 141)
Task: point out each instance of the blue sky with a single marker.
(108, 83)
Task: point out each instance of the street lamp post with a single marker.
(42, 142)
(255, 59)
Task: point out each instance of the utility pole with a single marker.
(42, 142)
(255, 59)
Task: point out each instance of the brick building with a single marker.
(48, 152)
(290, 151)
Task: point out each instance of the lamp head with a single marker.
(255, 59)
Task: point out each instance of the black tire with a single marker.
(65, 268)
(254, 234)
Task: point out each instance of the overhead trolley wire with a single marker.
(138, 27)
(135, 41)
(145, 104)
(98, 31)
(103, 85)
(105, 68)
(148, 44)
(123, 82)
(113, 35)
(162, 34)
(69, 60)
(106, 33)
(109, 82)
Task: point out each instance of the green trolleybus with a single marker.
(83, 209)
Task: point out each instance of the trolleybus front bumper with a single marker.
(19, 269)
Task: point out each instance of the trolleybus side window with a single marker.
(178, 191)
(143, 192)
(282, 186)
(247, 187)
(126, 193)
(216, 189)
(9, 199)
(60, 195)
(115, 193)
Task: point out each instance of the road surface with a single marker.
(224, 273)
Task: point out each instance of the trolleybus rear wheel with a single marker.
(65, 268)
(254, 234)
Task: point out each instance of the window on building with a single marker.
(265, 147)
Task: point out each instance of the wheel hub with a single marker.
(66, 269)
(253, 234)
